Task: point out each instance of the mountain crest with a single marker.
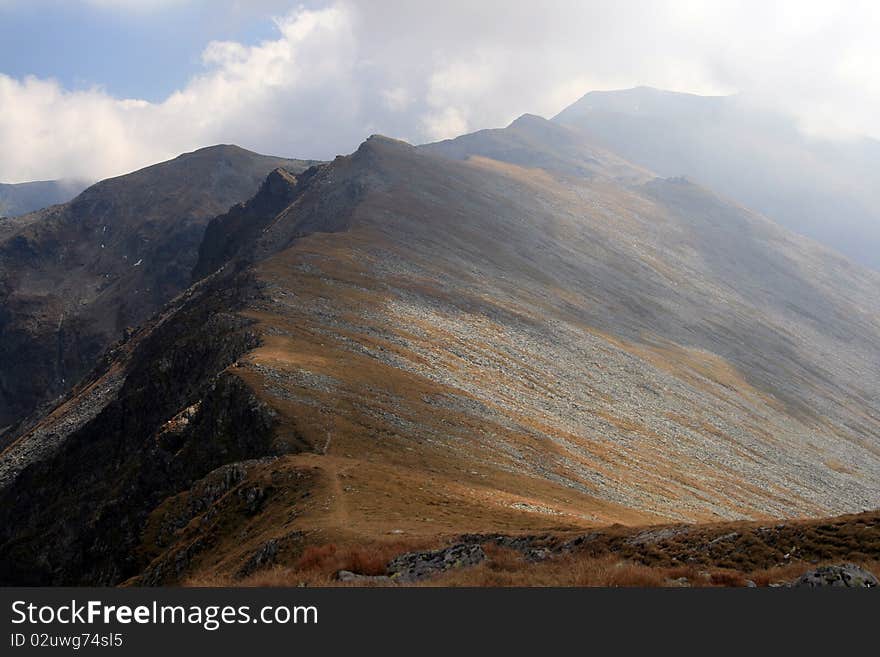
(527, 120)
(228, 234)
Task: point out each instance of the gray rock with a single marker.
(533, 548)
(678, 582)
(348, 576)
(414, 566)
(652, 536)
(578, 542)
(847, 575)
(732, 536)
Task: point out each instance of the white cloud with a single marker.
(445, 124)
(334, 73)
(397, 99)
(277, 96)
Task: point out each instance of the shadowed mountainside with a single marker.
(73, 277)
(424, 342)
(827, 190)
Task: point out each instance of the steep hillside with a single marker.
(22, 198)
(73, 277)
(411, 343)
(827, 190)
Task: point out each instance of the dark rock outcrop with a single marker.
(75, 516)
(414, 566)
(227, 234)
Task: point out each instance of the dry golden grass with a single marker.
(505, 567)
(709, 554)
(510, 569)
(584, 571)
(318, 565)
(362, 559)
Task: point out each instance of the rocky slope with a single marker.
(424, 342)
(75, 276)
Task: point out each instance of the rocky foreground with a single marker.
(834, 552)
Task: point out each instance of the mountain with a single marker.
(413, 343)
(74, 277)
(827, 190)
(21, 198)
(533, 142)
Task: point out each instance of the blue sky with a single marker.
(95, 88)
(131, 52)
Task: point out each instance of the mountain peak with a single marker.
(377, 141)
(637, 100)
(217, 150)
(526, 120)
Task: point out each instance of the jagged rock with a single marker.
(414, 566)
(846, 575)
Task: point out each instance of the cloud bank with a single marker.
(335, 73)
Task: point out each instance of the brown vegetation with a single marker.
(685, 556)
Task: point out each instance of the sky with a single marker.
(96, 88)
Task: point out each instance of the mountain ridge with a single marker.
(437, 340)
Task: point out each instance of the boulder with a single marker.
(349, 576)
(846, 575)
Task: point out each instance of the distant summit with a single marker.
(21, 198)
(534, 142)
(823, 189)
